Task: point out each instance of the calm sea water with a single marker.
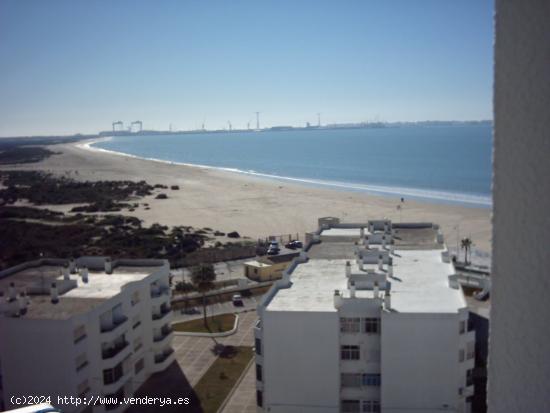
(437, 163)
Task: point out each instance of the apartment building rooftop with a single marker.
(79, 286)
(417, 282)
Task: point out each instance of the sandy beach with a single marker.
(253, 206)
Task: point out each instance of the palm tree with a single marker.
(203, 277)
(466, 245)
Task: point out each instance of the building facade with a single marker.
(369, 318)
(83, 327)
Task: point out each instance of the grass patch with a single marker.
(217, 382)
(217, 324)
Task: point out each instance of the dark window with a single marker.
(112, 375)
(469, 377)
(371, 379)
(351, 406)
(372, 325)
(258, 345)
(350, 324)
(259, 398)
(258, 372)
(371, 406)
(139, 366)
(349, 352)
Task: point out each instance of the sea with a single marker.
(448, 164)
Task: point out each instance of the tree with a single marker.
(184, 288)
(203, 277)
(466, 245)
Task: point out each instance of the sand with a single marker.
(253, 206)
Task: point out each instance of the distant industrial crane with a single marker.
(137, 122)
(229, 124)
(257, 120)
(119, 124)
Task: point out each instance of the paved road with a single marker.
(194, 354)
(243, 399)
(249, 304)
(193, 358)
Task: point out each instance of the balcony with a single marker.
(159, 358)
(163, 312)
(164, 333)
(117, 322)
(163, 360)
(160, 294)
(113, 351)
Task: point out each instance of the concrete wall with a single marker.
(300, 375)
(420, 367)
(519, 346)
(33, 363)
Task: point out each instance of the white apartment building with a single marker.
(83, 327)
(368, 319)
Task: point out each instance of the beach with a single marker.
(253, 206)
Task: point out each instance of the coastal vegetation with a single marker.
(216, 324)
(90, 228)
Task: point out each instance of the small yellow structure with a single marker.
(268, 268)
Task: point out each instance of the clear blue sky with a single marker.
(76, 66)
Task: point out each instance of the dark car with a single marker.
(294, 244)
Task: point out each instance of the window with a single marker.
(139, 366)
(462, 327)
(371, 379)
(349, 352)
(350, 380)
(79, 333)
(138, 343)
(81, 361)
(258, 346)
(461, 355)
(371, 406)
(259, 398)
(350, 325)
(469, 377)
(112, 375)
(372, 325)
(258, 372)
(135, 298)
(350, 406)
(470, 351)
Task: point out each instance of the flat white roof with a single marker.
(419, 285)
(257, 264)
(103, 285)
(342, 232)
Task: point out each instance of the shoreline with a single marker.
(253, 206)
(417, 194)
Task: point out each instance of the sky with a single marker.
(76, 66)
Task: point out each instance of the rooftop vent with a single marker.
(11, 292)
(84, 274)
(108, 265)
(387, 301)
(72, 266)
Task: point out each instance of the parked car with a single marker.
(273, 251)
(294, 244)
(237, 300)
